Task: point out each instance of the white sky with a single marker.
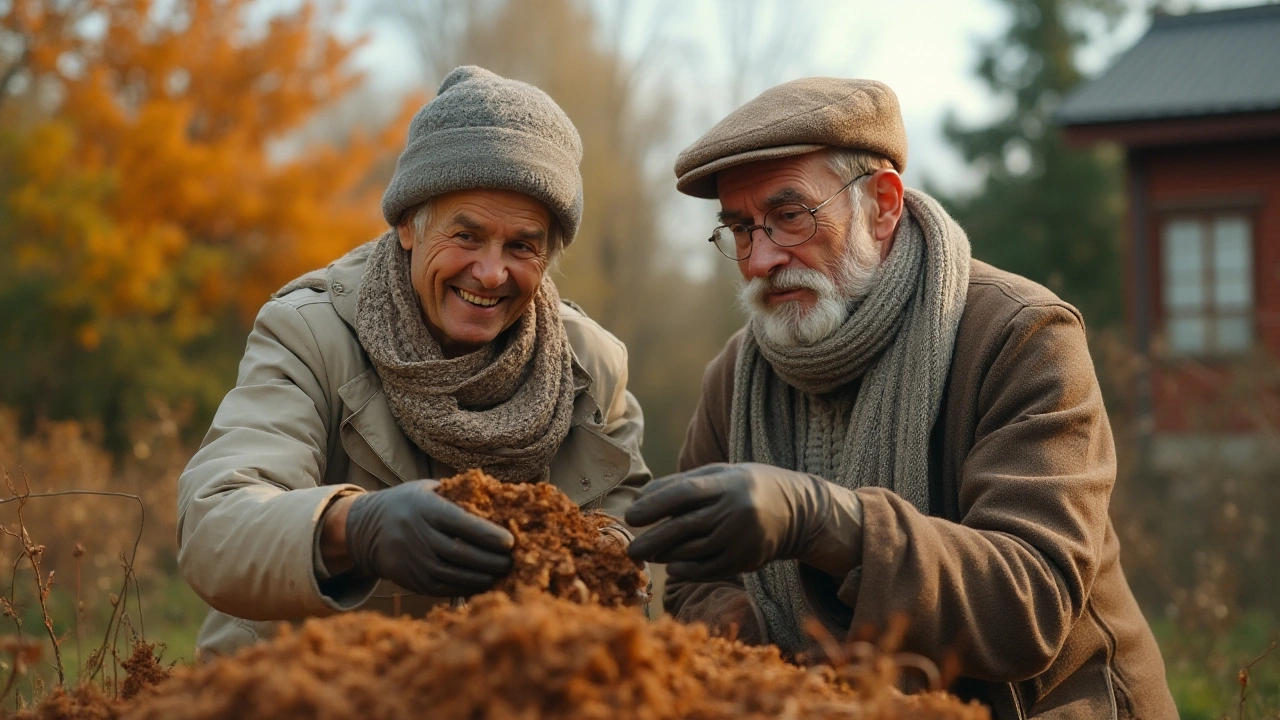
(925, 50)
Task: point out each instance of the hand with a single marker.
(413, 537)
(730, 519)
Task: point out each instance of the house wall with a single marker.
(1205, 395)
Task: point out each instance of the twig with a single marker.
(79, 616)
(24, 652)
(1244, 675)
(97, 658)
(43, 585)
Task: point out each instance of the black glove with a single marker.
(730, 519)
(413, 537)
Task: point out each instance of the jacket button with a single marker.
(337, 287)
(586, 482)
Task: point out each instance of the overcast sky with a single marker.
(925, 50)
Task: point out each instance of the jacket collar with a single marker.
(344, 278)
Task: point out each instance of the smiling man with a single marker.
(899, 430)
(441, 346)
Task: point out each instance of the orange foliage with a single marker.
(150, 188)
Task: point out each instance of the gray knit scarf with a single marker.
(898, 340)
(504, 408)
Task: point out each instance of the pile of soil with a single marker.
(554, 641)
(88, 702)
(558, 549)
(532, 657)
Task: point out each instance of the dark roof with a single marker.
(1195, 65)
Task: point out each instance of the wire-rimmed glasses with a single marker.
(786, 225)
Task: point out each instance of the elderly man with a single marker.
(442, 345)
(898, 429)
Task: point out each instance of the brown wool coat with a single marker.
(1016, 568)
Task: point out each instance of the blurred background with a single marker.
(166, 164)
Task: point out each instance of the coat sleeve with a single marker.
(250, 500)
(1002, 587)
(624, 423)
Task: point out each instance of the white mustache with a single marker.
(785, 280)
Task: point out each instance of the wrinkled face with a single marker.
(800, 294)
(477, 264)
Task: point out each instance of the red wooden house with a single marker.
(1196, 106)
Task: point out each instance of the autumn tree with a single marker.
(1044, 210)
(619, 269)
(146, 207)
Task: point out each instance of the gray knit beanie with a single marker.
(486, 131)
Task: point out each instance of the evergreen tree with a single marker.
(1046, 211)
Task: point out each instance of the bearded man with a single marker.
(441, 346)
(899, 429)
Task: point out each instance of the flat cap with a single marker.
(794, 118)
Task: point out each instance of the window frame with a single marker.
(1205, 215)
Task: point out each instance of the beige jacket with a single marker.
(1015, 571)
(308, 421)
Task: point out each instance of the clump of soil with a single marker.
(558, 549)
(88, 702)
(144, 670)
(532, 657)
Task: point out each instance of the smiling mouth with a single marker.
(476, 300)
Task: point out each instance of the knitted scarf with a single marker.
(898, 340)
(504, 408)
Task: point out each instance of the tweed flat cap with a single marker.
(486, 131)
(794, 118)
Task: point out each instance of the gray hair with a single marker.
(420, 217)
(848, 164)
(861, 259)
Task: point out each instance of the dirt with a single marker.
(555, 641)
(558, 549)
(143, 670)
(532, 657)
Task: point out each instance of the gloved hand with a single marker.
(730, 519)
(413, 537)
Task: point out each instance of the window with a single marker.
(1208, 284)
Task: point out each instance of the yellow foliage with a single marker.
(149, 189)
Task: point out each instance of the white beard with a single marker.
(788, 323)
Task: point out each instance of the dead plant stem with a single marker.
(79, 619)
(99, 656)
(1244, 675)
(43, 585)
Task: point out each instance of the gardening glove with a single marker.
(728, 519)
(413, 537)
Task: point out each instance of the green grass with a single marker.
(1204, 668)
(171, 615)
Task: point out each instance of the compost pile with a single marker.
(558, 549)
(532, 657)
(533, 649)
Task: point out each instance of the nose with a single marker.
(490, 268)
(766, 256)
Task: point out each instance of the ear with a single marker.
(405, 232)
(885, 189)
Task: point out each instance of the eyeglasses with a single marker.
(786, 225)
